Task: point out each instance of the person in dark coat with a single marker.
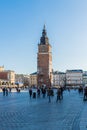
(30, 92)
(3, 91)
(6, 91)
(38, 92)
(61, 88)
(49, 94)
(58, 94)
(44, 92)
(85, 93)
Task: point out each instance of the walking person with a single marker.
(44, 92)
(61, 89)
(3, 91)
(49, 94)
(85, 93)
(30, 92)
(58, 94)
(38, 92)
(6, 91)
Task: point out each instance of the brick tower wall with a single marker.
(44, 65)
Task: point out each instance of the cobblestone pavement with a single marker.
(19, 112)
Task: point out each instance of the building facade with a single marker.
(74, 77)
(85, 78)
(44, 61)
(59, 79)
(33, 79)
(7, 77)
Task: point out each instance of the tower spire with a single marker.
(44, 27)
(44, 39)
(44, 33)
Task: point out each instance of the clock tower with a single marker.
(44, 61)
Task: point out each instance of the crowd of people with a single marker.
(59, 93)
(7, 90)
(47, 91)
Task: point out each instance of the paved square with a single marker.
(19, 112)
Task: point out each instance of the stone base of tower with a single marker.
(43, 81)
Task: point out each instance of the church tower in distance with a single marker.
(44, 61)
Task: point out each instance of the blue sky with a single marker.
(21, 24)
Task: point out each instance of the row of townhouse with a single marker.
(69, 78)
